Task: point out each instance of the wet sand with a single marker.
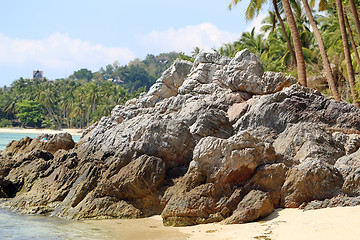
(40, 131)
(283, 224)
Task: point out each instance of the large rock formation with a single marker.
(214, 140)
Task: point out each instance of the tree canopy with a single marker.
(82, 98)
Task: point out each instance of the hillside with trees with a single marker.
(82, 98)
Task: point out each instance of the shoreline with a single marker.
(72, 131)
(282, 224)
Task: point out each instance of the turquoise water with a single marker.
(26, 227)
(5, 138)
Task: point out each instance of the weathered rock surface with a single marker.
(255, 205)
(214, 140)
(352, 183)
(245, 73)
(304, 140)
(338, 201)
(310, 180)
(269, 178)
(298, 104)
(219, 166)
(348, 164)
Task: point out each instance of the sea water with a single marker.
(15, 226)
(5, 138)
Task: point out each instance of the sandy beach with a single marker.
(283, 224)
(40, 131)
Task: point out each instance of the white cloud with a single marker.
(59, 51)
(205, 36)
(256, 23)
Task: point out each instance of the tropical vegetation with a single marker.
(82, 98)
(319, 54)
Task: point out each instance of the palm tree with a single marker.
(67, 103)
(288, 42)
(195, 51)
(93, 95)
(349, 67)
(268, 24)
(301, 68)
(330, 29)
(254, 8)
(277, 56)
(254, 42)
(78, 112)
(356, 16)
(46, 98)
(324, 56)
(228, 49)
(352, 41)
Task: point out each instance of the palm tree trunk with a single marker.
(297, 43)
(66, 115)
(356, 16)
(51, 113)
(325, 59)
(288, 42)
(353, 45)
(347, 51)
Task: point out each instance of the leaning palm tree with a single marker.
(348, 61)
(352, 41)
(268, 24)
(254, 42)
(288, 42)
(253, 10)
(301, 68)
(356, 16)
(324, 56)
(46, 98)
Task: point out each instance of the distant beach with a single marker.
(283, 224)
(9, 134)
(72, 131)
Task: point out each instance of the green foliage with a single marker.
(183, 56)
(83, 74)
(81, 99)
(5, 123)
(137, 73)
(47, 123)
(139, 91)
(270, 45)
(29, 113)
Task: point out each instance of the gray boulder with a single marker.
(255, 205)
(352, 183)
(298, 104)
(348, 164)
(306, 140)
(167, 139)
(310, 180)
(219, 165)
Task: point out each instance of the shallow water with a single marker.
(15, 226)
(5, 138)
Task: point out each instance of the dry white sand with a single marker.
(40, 131)
(283, 224)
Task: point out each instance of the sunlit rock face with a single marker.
(214, 140)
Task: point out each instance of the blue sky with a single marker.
(60, 37)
